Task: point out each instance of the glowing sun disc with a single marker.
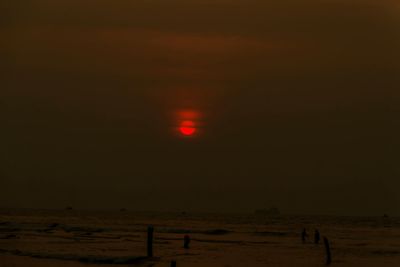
(187, 128)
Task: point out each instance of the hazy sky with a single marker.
(297, 103)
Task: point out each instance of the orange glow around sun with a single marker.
(187, 128)
(188, 123)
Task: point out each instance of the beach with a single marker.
(118, 238)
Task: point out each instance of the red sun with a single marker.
(187, 128)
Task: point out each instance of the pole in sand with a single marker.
(150, 231)
(328, 251)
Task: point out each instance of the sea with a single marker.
(68, 237)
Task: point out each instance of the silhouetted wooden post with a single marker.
(150, 231)
(173, 263)
(328, 251)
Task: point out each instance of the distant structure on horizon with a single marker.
(268, 212)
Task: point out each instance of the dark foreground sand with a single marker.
(76, 238)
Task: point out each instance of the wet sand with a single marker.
(88, 238)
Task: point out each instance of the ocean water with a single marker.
(118, 238)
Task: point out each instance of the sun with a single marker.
(187, 128)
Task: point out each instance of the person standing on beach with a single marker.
(304, 235)
(317, 237)
(186, 241)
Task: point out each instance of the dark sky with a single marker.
(298, 105)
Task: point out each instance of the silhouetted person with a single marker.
(304, 235)
(317, 236)
(186, 241)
